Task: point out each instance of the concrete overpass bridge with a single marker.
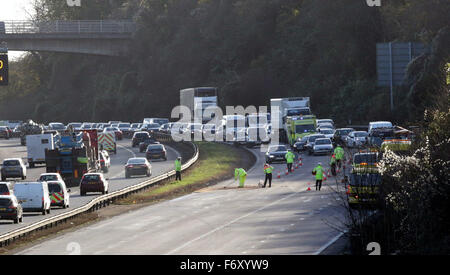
(98, 37)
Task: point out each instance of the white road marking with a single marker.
(228, 224)
(328, 243)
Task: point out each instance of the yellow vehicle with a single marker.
(299, 126)
(396, 145)
(363, 189)
(365, 162)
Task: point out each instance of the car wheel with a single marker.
(127, 176)
(44, 212)
(31, 164)
(21, 218)
(48, 211)
(16, 220)
(3, 178)
(82, 193)
(23, 177)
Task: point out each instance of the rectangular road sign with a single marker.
(393, 59)
(3, 69)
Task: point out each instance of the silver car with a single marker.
(322, 146)
(13, 168)
(356, 138)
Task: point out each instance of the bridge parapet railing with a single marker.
(70, 26)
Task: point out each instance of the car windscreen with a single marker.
(298, 112)
(3, 189)
(124, 125)
(110, 129)
(54, 187)
(142, 135)
(322, 141)
(5, 202)
(326, 132)
(161, 121)
(48, 177)
(365, 158)
(91, 178)
(344, 132)
(152, 125)
(313, 138)
(155, 147)
(11, 163)
(136, 161)
(361, 134)
(365, 179)
(277, 148)
(305, 128)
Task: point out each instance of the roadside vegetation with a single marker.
(252, 50)
(216, 163)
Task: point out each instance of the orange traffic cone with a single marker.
(328, 173)
(309, 188)
(278, 175)
(300, 162)
(287, 171)
(324, 177)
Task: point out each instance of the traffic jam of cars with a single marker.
(45, 142)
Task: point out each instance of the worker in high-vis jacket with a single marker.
(241, 174)
(289, 160)
(178, 169)
(268, 172)
(339, 153)
(318, 172)
(333, 164)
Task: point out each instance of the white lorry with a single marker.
(36, 145)
(198, 100)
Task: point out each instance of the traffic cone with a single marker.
(324, 177)
(328, 173)
(309, 188)
(287, 171)
(300, 162)
(278, 175)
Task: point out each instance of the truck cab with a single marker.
(299, 126)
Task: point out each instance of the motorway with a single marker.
(221, 219)
(11, 149)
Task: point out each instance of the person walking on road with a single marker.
(333, 164)
(289, 160)
(178, 169)
(339, 152)
(268, 171)
(241, 174)
(318, 172)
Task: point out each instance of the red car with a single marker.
(93, 182)
(5, 132)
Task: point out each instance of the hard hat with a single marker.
(320, 163)
(179, 158)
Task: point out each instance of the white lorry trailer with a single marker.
(197, 100)
(36, 145)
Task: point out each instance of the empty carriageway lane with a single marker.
(116, 176)
(220, 219)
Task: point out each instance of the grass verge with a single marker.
(216, 163)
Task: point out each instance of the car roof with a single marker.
(13, 159)
(50, 174)
(93, 174)
(137, 158)
(323, 139)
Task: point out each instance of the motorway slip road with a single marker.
(221, 219)
(116, 174)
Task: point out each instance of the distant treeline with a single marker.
(253, 50)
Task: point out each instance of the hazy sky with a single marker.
(15, 10)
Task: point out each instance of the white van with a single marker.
(33, 196)
(36, 145)
(379, 124)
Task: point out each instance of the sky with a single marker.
(15, 10)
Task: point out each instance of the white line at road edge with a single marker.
(325, 246)
(229, 223)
